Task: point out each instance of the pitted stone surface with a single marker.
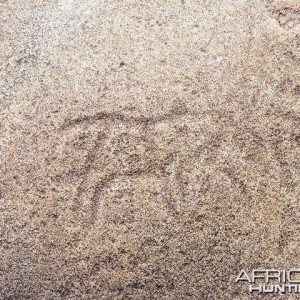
(148, 149)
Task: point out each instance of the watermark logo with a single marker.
(265, 281)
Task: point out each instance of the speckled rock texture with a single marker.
(148, 149)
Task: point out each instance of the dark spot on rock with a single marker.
(297, 90)
(137, 285)
(64, 291)
(297, 139)
(159, 286)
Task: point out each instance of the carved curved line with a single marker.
(101, 185)
(114, 117)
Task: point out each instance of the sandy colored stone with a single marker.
(148, 149)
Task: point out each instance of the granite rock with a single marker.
(148, 149)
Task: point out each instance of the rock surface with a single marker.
(148, 149)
